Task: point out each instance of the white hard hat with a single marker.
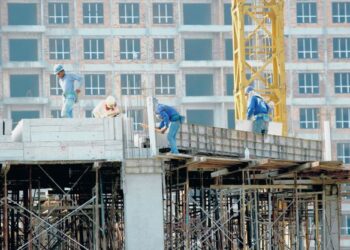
(58, 68)
(110, 101)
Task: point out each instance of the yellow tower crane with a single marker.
(258, 54)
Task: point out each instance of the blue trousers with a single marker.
(174, 128)
(67, 108)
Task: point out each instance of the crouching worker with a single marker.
(106, 108)
(259, 109)
(168, 116)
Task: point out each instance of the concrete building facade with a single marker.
(179, 51)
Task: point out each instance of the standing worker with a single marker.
(70, 93)
(106, 108)
(168, 116)
(258, 108)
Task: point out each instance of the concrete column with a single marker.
(327, 153)
(143, 205)
(332, 212)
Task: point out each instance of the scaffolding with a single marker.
(97, 192)
(61, 205)
(220, 203)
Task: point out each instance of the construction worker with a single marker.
(106, 108)
(168, 116)
(259, 109)
(70, 93)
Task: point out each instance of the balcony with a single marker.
(205, 28)
(23, 29)
(26, 100)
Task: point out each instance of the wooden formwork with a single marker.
(213, 140)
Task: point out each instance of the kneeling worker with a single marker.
(106, 108)
(258, 108)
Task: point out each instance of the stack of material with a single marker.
(65, 139)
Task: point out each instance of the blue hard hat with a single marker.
(58, 68)
(248, 89)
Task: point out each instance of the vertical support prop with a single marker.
(97, 213)
(4, 170)
(151, 126)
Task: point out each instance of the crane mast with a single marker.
(258, 54)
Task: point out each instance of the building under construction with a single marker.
(66, 186)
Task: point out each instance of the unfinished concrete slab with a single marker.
(65, 139)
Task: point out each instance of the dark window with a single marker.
(23, 50)
(58, 13)
(342, 117)
(22, 14)
(343, 152)
(130, 49)
(309, 83)
(227, 14)
(306, 12)
(228, 50)
(309, 118)
(307, 48)
(94, 49)
(247, 19)
(55, 113)
(55, 88)
(229, 84)
(137, 116)
(24, 85)
(165, 84)
(341, 47)
(341, 12)
(162, 13)
(59, 49)
(129, 13)
(197, 14)
(131, 84)
(164, 49)
(16, 116)
(342, 83)
(203, 117)
(88, 113)
(231, 118)
(95, 84)
(198, 49)
(93, 13)
(199, 85)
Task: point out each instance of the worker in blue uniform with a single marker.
(70, 92)
(259, 109)
(170, 119)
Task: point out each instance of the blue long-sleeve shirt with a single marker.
(256, 106)
(67, 82)
(167, 115)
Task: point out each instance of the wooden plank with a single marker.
(219, 173)
(174, 156)
(273, 186)
(311, 182)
